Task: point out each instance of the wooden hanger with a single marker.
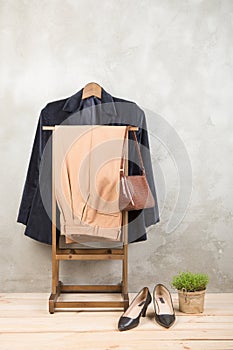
(92, 89)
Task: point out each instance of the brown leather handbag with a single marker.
(135, 193)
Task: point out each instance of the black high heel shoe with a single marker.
(164, 310)
(131, 317)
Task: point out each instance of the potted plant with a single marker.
(191, 291)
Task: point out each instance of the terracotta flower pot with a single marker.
(191, 302)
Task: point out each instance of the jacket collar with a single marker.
(75, 103)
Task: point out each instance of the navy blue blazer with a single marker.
(73, 110)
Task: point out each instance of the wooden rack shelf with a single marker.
(90, 254)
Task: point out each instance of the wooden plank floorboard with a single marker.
(25, 323)
(107, 322)
(74, 341)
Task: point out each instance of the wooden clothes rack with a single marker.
(59, 254)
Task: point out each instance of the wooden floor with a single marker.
(25, 323)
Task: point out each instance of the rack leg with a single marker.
(55, 276)
(125, 280)
(125, 262)
(53, 298)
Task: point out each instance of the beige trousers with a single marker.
(87, 163)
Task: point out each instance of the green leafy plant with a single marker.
(190, 282)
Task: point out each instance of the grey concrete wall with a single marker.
(174, 58)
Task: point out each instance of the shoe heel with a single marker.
(143, 314)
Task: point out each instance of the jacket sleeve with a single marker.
(32, 178)
(151, 214)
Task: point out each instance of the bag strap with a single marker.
(137, 148)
